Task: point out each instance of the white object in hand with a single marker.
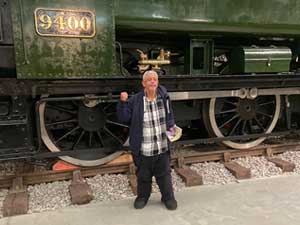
(174, 134)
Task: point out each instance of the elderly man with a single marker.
(150, 115)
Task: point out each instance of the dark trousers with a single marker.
(159, 167)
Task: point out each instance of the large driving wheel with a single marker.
(234, 116)
(77, 125)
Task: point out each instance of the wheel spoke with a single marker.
(75, 103)
(66, 134)
(266, 103)
(111, 134)
(265, 114)
(62, 122)
(228, 121)
(110, 114)
(230, 103)
(100, 138)
(79, 139)
(235, 126)
(62, 109)
(107, 106)
(259, 123)
(116, 123)
(250, 126)
(90, 138)
(227, 111)
(244, 126)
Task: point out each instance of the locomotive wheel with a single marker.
(74, 125)
(234, 116)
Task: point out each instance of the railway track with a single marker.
(178, 160)
(15, 202)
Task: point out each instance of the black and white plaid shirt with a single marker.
(154, 128)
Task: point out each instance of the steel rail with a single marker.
(51, 176)
(219, 155)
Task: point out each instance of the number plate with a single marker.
(65, 23)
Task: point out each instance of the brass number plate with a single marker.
(65, 23)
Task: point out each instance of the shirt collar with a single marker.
(154, 100)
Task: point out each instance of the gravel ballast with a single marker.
(3, 193)
(213, 173)
(52, 196)
(293, 157)
(259, 166)
(110, 187)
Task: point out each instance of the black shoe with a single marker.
(171, 204)
(139, 203)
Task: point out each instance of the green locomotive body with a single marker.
(57, 55)
(273, 18)
(64, 63)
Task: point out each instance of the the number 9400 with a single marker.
(63, 22)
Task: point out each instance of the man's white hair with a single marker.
(148, 72)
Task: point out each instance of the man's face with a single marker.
(150, 83)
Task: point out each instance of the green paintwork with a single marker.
(260, 60)
(40, 57)
(63, 57)
(1, 30)
(276, 17)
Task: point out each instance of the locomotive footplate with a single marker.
(172, 83)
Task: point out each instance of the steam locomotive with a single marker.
(230, 66)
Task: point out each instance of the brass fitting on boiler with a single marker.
(145, 63)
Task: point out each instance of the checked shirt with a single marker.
(154, 127)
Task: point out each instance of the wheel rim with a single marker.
(72, 125)
(234, 116)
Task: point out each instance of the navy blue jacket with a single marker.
(131, 112)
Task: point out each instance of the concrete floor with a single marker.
(270, 201)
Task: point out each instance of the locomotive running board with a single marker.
(251, 93)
